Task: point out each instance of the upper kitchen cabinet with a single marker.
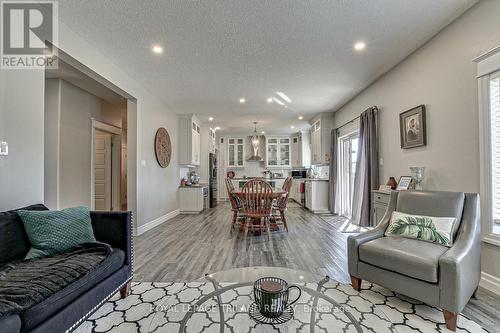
(320, 139)
(278, 152)
(211, 141)
(235, 152)
(301, 150)
(189, 140)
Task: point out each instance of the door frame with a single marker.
(101, 126)
(348, 136)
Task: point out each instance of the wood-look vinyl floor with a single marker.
(188, 246)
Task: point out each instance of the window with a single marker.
(494, 106)
(348, 153)
(488, 73)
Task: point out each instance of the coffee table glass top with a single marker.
(220, 302)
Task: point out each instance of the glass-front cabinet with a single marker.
(235, 152)
(278, 152)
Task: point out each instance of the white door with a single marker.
(102, 171)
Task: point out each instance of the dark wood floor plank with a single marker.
(188, 246)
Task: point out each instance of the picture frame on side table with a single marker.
(404, 183)
(412, 128)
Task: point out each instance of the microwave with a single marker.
(299, 174)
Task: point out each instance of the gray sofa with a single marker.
(437, 275)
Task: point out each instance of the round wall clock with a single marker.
(163, 148)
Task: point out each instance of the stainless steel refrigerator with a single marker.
(212, 171)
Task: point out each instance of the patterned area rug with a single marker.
(161, 307)
(342, 224)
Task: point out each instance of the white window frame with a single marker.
(487, 64)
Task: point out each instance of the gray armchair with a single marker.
(437, 275)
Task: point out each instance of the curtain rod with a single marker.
(352, 120)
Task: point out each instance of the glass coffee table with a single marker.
(221, 302)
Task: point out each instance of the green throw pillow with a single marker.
(427, 228)
(53, 231)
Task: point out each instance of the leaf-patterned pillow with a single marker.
(427, 228)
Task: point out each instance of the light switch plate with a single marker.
(4, 148)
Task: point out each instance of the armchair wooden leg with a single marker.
(356, 283)
(125, 291)
(451, 320)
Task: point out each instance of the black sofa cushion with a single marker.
(50, 306)
(14, 243)
(10, 324)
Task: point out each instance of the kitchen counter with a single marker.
(194, 186)
(283, 178)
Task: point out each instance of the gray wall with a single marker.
(156, 187)
(21, 125)
(77, 109)
(440, 75)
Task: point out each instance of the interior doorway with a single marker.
(106, 175)
(348, 153)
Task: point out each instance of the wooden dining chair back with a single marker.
(282, 201)
(257, 198)
(232, 198)
(235, 203)
(229, 184)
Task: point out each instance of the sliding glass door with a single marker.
(348, 153)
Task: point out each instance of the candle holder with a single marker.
(418, 175)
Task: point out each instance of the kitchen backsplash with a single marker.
(255, 169)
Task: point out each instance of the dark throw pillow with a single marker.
(55, 231)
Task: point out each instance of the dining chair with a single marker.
(257, 203)
(236, 207)
(281, 203)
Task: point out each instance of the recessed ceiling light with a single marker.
(285, 97)
(270, 100)
(278, 101)
(300, 117)
(359, 46)
(242, 101)
(210, 118)
(292, 127)
(157, 49)
(263, 132)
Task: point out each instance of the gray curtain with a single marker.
(366, 177)
(333, 206)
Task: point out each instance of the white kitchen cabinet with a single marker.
(211, 141)
(295, 191)
(320, 140)
(235, 152)
(317, 195)
(278, 152)
(301, 150)
(191, 199)
(189, 140)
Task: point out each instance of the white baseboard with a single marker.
(156, 222)
(490, 282)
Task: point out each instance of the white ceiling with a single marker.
(218, 51)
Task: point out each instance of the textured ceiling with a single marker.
(218, 51)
